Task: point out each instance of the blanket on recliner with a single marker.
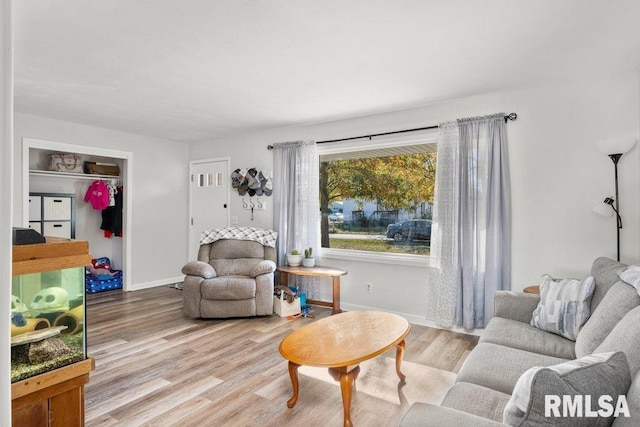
(263, 236)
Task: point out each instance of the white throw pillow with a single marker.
(565, 305)
(594, 376)
(631, 275)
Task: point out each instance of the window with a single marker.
(210, 180)
(378, 200)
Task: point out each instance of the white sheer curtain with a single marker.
(471, 231)
(296, 201)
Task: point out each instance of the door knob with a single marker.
(225, 205)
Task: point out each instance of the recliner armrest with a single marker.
(427, 415)
(199, 268)
(263, 267)
(515, 305)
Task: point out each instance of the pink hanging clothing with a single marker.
(98, 195)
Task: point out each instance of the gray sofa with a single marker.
(510, 345)
(231, 278)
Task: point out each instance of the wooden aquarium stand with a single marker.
(54, 398)
(57, 253)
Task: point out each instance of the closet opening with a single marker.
(104, 220)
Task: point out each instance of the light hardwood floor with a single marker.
(154, 367)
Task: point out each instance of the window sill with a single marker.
(377, 258)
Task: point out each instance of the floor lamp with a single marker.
(614, 148)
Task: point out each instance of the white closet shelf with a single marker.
(87, 176)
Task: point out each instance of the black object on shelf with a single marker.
(26, 236)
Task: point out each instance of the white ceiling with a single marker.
(194, 70)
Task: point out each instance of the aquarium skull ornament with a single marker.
(17, 306)
(50, 299)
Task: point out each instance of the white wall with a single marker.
(160, 186)
(6, 170)
(557, 176)
(245, 154)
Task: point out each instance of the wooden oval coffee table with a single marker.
(340, 343)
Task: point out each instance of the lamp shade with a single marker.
(603, 209)
(616, 145)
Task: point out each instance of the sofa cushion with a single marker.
(605, 271)
(523, 336)
(234, 267)
(428, 415)
(499, 367)
(565, 304)
(231, 248)
(625, 337)
(620, 299)
(228, 288)
(633, 401)
(477, 400)
(594, 375)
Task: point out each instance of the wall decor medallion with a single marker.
(252, 182)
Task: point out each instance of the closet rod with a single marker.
(511, 116)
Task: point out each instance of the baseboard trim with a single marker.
(412, 318)
(155, 283)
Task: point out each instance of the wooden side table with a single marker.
(317, 271)
(532, 289)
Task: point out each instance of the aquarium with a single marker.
(47, 310)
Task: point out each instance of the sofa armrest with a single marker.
(515, 305)
(427, 415)
(199, 268)
(263, 267)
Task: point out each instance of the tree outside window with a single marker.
(385, 200)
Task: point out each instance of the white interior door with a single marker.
(209, 199)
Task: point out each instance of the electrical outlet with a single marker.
(369, 287)
(234, 220)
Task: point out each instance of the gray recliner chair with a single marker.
(231, 278)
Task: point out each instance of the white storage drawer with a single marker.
(35, 208)
(36, 225)
(53, 214)
(56, 208)
(57, 229)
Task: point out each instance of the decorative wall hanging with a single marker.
(252, 182)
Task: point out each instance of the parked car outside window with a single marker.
(414, 229)
(336, 216)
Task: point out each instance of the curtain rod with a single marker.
(511, 116)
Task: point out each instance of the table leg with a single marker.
(399, 355)
(293, 373)
(336, 295)
(284, 279)
(346, 386)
